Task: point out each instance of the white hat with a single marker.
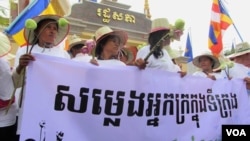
(216, 63)
(104, 31)
(5, 46)
(160, 24)
(63, 28)
(75, 40)
(240, 49)
(175, 55)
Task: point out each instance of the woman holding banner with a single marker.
(109, 44)
(206, 62)
(241, 67)
(49, 32)
(7, 120)
(43, 35)
(154, 54)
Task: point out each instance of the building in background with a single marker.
(86, 16)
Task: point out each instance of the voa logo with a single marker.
(236, 132)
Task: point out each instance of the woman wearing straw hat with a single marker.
(51, 30)
(7, 120)
(159, 36)
(206, 62)
(43, 35)
(76, 46)
(241, 67)
(108, 45)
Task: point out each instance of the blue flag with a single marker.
(35, 8)
(188, 50)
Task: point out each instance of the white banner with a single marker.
(76, 101)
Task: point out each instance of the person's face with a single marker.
(166, 42)
(243, 59)
(48, 33)
(205, 63)
(178, 34)
(112, 46)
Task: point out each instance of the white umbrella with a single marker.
(4, 44)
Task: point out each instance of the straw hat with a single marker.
(9, 56)
(104, 31)
(240, 49)
(175, 55)
(160, 24)
(5, 46)
(181, 60)
(63, 28)
(75, 40)
(216, 63)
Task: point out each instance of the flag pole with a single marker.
(238, 32)
(189, 32)
(232, 21)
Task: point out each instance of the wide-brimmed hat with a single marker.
(181, 60)
(75, 40)
(63, 28)
(216, 62)
(9, 56)
(240, 49)
(160, 24)
(176, 56)
(5, 46)
(104, 31)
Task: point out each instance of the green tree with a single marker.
(4, 21)
(5, 11)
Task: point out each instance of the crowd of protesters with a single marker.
(107, 48)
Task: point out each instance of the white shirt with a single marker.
(86, 58)
(238, 71)
(82, 57)
(163, 63)
(6, 90)
(56, 51)
(202, 74)
(111, 62)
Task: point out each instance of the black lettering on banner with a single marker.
(153, 104)
(109, 103)
(168, 104)
(108, 121)
(153, 122)
(60, 105)
(202, 102)
(137, 104)
(131, 104)
(234, 101)
(196, 118)
(236, 132)
(212, 106)
(96, 101)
